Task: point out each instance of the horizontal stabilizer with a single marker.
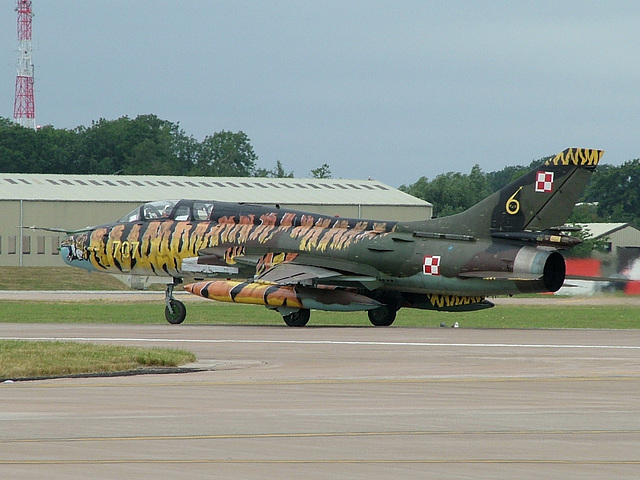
(597, 279)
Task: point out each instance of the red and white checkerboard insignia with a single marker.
(544, 182)
(431, 265)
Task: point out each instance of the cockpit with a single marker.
(180, 210)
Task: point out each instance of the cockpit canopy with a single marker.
(179, 210)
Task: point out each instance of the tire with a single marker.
(382, 316)
(297, 319)
(177, 314)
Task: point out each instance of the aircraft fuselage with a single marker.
(397, 260)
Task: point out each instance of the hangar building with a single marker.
(618, 235)
(75, 201)
(622, 244)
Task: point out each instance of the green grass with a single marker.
(56, 278)
(210, 313)
(67, 278)
(22, 359)
(19, 359)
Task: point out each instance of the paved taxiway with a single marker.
(158, 296)
(318, 403)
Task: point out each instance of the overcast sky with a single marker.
(392, 90)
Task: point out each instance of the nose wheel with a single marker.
(175, 312)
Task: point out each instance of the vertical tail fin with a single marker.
(541, 199)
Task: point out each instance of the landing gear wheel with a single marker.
(298, 318)
(175, 312)
(382, 316)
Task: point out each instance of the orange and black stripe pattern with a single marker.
(248, 293)
(159, 246)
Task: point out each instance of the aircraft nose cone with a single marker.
(65, 253)
(73, 255)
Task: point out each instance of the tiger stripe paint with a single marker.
(246, 292)
(158, 247)
(499, 246)
(578, 157)
(281, 296)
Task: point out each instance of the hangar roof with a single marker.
(120, 188)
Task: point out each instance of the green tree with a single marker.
(46, 150)
(103, 145)
(159, 147)
(451, 192)
(144, 145)
(585, 213)
(225, 154)
(588, 246)
(56, 150)
(276, 172)
(18, 149)
(617, 192)
(321, 172)
(502, 178)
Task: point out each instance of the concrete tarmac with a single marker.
(158, 296)
(320, 403)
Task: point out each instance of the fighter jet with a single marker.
(293, 262)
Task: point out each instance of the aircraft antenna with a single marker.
(24, 106)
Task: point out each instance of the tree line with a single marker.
(148, 145)
(143, 145)
(612, 194)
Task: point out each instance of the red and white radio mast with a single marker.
(24, 106)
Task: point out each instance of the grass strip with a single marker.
(21, 359)
(213, 313)
(56, 278)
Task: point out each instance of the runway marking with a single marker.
(258, 436)
(331, 381)
(488, 461)
(326, 342)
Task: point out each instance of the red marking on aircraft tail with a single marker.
(544, 182)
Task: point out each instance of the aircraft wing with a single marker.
(56, 229)
(287, 273)
(307, 274)
(295, 268)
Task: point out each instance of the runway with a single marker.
(319, 403)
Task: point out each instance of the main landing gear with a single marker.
(294, 317)
(380, 317)
(175, 312)
(298, 318)
(384, 315)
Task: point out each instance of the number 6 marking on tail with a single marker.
(513, 206)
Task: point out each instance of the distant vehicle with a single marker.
(293, 262)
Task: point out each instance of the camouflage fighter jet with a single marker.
(292, 261)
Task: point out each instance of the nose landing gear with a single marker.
(175, 311)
